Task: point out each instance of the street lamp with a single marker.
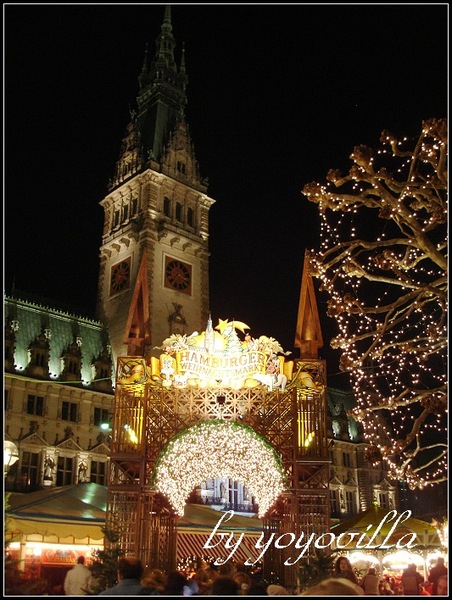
(106, 429)
(105, 425)
(10, 455)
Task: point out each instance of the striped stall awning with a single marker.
(191, 544)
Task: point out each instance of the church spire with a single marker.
(161, 99)
(165, 42)
(160, 111)
(143, 78)
(182, 62)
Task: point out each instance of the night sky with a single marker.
(277, 95)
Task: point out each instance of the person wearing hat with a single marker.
(371, 583)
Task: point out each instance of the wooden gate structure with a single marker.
(146, 417)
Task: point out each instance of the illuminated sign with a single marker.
(214, 358)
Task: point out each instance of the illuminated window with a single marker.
(233, 492)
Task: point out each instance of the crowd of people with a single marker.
(232, 579)
(411, 582)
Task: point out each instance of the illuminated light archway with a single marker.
(219, 448)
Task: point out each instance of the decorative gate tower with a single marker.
(213, 378)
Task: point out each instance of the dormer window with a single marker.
(71, 362)
(38, 352)
(181, 167)
(40, 359)
(72, 367)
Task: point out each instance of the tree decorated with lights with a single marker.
(383, 263)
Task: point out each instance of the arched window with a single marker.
(190, 217)
(166, 207)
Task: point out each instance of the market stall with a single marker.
(388, 540)
(47, 530)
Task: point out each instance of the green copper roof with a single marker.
(30, 320)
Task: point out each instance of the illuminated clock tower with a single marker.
(154, 257)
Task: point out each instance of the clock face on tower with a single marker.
(120, 277)
(177, 275)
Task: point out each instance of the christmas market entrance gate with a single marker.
(146, 417)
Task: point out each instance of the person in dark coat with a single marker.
(436, 572)
(175, 583)
(130, 572)
(411, 581)
(225, 585)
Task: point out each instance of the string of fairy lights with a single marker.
(383, 263)
(219, 448)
